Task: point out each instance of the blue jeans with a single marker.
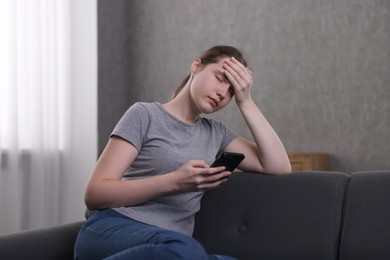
(111, 235)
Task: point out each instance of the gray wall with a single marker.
(321, 67)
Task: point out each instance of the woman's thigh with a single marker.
(110, 234)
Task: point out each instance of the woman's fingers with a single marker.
(237, 73)
(214, 180)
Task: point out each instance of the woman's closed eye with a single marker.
(220, 78)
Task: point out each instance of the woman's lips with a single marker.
(214, 102)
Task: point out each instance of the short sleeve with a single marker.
(227, 135)
(133, 125)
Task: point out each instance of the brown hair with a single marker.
(213, 55)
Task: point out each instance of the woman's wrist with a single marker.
(247, 104)
(169, 182)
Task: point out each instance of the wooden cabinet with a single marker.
(308, 161)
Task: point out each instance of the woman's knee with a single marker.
(185, 247)
(191, 246)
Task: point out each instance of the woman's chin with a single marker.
(210, 109)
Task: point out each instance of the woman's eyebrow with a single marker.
(222, 74)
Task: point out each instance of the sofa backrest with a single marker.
(259, 216)
(366, 227)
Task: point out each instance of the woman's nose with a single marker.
(222, 92)
(221, 95)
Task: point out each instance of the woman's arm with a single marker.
(267, 154)
(106, 189)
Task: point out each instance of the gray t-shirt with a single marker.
(164, 144)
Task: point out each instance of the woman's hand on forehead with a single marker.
(240, 78)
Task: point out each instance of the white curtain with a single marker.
(34, 110)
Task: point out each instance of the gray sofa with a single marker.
(305, 215)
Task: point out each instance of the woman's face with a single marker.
(210, 89)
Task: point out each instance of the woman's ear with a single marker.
(196, 65)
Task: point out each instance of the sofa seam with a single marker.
(344, 211)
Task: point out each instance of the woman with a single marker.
(150, 178)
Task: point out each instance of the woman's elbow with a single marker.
(93, 201)
(286, 169)
(281, 169)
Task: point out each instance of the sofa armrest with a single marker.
(45, 243)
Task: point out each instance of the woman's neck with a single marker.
(182, 107)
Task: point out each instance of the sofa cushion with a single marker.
(366, 229)
(45, 243)
(296, 216)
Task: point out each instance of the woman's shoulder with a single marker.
(144, 107)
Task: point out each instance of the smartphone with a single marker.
(229, 160)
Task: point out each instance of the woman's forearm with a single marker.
(271, 152)
(112, 193)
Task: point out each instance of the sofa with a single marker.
(304, 215)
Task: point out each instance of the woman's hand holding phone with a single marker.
(196, 175)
